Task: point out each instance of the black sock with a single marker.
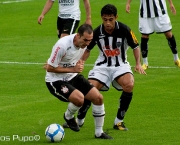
(125, 100)
(144, 47)
(172, 44)
(83, 110)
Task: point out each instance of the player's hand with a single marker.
(45, 66)
(79, 66)
(138, 68)
(41, 17)
(173, 10)
(128, 8)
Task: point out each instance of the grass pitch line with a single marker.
(16, 1)
(38, 63)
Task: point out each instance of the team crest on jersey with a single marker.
(64, 89)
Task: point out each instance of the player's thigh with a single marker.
(81, 84)
(60, 89)
(146, 25)
(94, 96)
(126, 80)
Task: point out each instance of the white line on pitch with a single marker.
(38, 63)
(16, 1)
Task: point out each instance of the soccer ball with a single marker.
(54, 133)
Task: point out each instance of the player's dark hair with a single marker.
(85, 28)
(109, 9)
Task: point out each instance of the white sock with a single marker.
(145, 60)
(99, 114)
(116, 121)
(71, 110)
(175, 57)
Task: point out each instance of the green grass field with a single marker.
(27, 107)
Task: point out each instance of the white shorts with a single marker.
(158, 24)
(107, 75)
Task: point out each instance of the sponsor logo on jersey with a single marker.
(55, 54)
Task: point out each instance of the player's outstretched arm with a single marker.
(88, 12)
(46, 8)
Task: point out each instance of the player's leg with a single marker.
(145, 28)
(144, 50)
(74, 96)
(127, 83)
(98, 112)
(172, 44)
(163, 25)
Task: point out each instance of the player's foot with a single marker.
(145, 66)
(177, 62)
(72, 124)
(65, 125)
(104, 136)
(120, 126)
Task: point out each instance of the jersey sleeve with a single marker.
(93, 42)
(131, 38)
(58, 52)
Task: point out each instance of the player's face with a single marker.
(85, 39)
(109, 22)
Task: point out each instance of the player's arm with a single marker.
(76, 69)
(138, 67)
(85, 55)
(173, 9)
(133, 43)
(46, 8)
(88, 11)
(128, 6)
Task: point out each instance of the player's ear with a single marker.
(116, 17)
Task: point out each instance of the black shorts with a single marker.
(67, 26)
(63, 89)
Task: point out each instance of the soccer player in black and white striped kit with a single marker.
(113, 39)
(153, 17)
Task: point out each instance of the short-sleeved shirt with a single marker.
(113, 48)
(69, 9)
(64, 54)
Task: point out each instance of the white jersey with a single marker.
(69, 9)
(152, 8)
(64, 54)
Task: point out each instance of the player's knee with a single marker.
(129, 87)
(98, 99)
(79, 102)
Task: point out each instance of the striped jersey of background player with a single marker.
(153, 17)
(69, 15)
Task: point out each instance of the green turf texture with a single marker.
(27, 107)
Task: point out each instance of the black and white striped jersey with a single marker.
(113, 47)
(152, 8)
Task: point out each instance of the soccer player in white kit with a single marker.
(153, 17)
(64, 81)
(69, 15)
